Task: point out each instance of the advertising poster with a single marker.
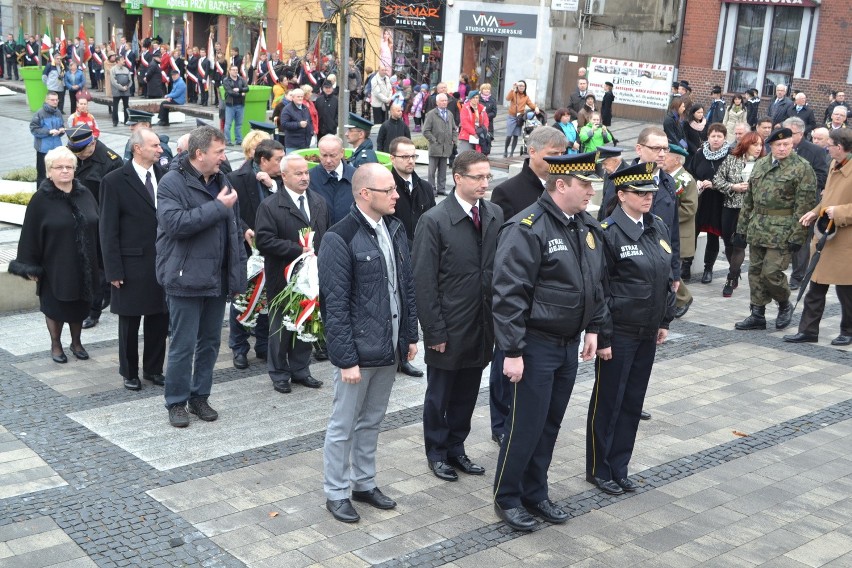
(635, 83)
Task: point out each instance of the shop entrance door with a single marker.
(483, 61)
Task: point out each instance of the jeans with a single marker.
(196, 331)
(234, 114)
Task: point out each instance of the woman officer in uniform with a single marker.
(638, 283)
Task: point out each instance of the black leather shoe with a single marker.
(178, 416)
(342, 510)
(801, 338)
(644, 415)
(443, 470)
(240, 361)
(321, 354)
(375, 498)
(785, 314)
(627, 484)
(518, 518)
(309, 382)
(707, 277)
(156, 378)
(132, 383)
(605, 485)
(90, 322)
(282, 386)
(407, 368)
(548, 511)
(463, 463)
(80, 354)
(681, 311)
(61, 357)
(841, 340)
(498, 438)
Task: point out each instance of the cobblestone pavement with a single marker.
(746, 462)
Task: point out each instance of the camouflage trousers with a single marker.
(766, 277)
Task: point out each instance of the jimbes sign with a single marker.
(497, 24)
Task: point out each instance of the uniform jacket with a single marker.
(92, 170)
(196, 235)
(453, 270)
(638, 281)
(363, 154)
(326, 106)
(279, 222)
(606, 108)
(354, 296)
(752, 109)
(44, 120)
(518, 192)
(249, 195)
(296, 136)
(411, 206)
(336, 192)
(128, 236)
(687, 198)
(834, 266)
(715, 111)
(390, 129)
(540, 288)
(439, 133)
(777, 197)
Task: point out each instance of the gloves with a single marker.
(794, 247)
(738, 240)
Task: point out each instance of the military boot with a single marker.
(755, 321)
(785, 314)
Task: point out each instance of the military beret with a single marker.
(581, 166)
(639, 177)
(679, 150)
(79, 137)
(608, 152)
(357, 121)
(779, 134)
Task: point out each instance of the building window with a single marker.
(747, 48)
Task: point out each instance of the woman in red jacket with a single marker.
(473, 122)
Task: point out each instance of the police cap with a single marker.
(580, 166)
(639, 177)
(357, 121)
(605, 152)
(268, 127)
(779, 134)
(79, 137)
(135, 116)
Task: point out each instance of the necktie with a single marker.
(775, 163)
(408, 186)
(641, 228)
(474, 211)
(302, 207)
(333, 175)
(150, 187)
(444, 115)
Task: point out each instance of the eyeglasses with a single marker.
(405, 156)
(63, 168)
(639, 193)
(657, 149)
(479, 178)
(387, 191)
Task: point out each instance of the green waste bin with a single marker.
(256, 100)
(36, 89)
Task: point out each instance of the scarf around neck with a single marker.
(699, 126)
(711, 155)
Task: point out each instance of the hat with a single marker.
(199, 122)
(79, 137)
(268, 127)
(110, 54)
(605, 152)
(328, 84)
(639, 177)
(473, 93)
(675, 83)
(608, 84)
(581, 166)
(174, 72)
(825, 226)
(356, 121)
(679, 150)
(135, 116)
(716, 89)
(684, 83)
(424, 86)
(779, 134)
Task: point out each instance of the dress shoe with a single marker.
(202, 409)
(498, 438)
(321, 354)
(548, 511)
(681, 311)
(841, 340)
(801, 338)
(627, 484)
(132, 383)
(463, 463)
(309, 382)
(282, 386)
(156, 378)
(178, 416)
(407, 368)
(342, 510)
(443, 470)
(60, 357)
(785, 314)
(644, 415)
(707, 277)
(90, 322)
(240, 361)
(105, 302)
(518, 518)
(757, 319)
(605, 485)
(374, 497)
(80, 353)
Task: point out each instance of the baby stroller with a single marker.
(531, 121)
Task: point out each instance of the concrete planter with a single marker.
(12, 213)
(422, 157)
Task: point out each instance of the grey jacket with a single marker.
(439, 133)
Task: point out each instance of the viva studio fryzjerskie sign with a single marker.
(497, 24)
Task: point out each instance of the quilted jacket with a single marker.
(354, 297)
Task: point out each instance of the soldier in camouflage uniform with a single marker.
(781, 189)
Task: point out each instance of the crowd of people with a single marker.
(524, 281)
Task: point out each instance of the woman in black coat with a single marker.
(695, 128)
(58, 250)
(673, 125)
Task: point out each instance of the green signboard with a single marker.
(226, 7)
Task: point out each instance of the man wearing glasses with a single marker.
(367, 303)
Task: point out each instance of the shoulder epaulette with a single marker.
(112, 155)
(528, 220)
(606, 222)
(658, 218)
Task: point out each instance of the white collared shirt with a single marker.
(143, 173)
(468, 206)
(295, 197)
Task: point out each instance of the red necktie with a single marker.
(474, 211)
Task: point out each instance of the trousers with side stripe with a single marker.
(615, 406)
(538, 403)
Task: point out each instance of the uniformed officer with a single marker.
(780, 192)
(638, 286)
(142, 119)
(358, 136)
(547, 274)
(94, 161)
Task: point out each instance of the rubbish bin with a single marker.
(36, 89)
(256, 100)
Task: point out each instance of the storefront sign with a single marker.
(793, 3)
(226, 7)
(565, 5)
(635, 83)
(497, 24)
(412, 15)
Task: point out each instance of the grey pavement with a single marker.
(746, 461)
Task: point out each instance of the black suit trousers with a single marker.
(156, 329)
(447, 410)
(287, 357)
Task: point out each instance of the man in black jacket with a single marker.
(780, 107)
(392, 128)
(801, 109)
(326, 105)
(254, 181)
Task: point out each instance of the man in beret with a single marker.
(781, 190)
(687, 198)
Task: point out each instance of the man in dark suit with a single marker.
(578, 97)
(801, 109)
(280, 220)
(254, 181)
(333, 180)
(453, 255)
(780, 107)
(128, 231)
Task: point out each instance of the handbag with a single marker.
(484, 139)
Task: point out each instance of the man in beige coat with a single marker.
(439, 128)
(833, 266)
(687, 198)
